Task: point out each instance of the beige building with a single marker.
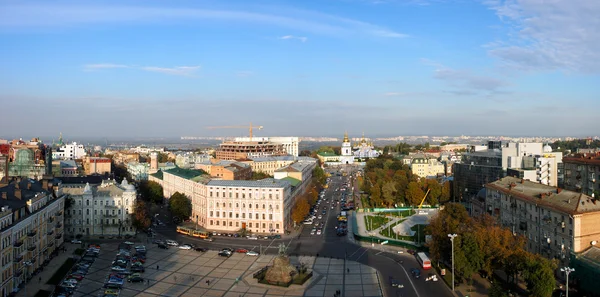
(96, 165)
(31, 228)
(226, 170)
(581, 173)
(424, 166)
(100, 209)
(554, 221)
(328, 158)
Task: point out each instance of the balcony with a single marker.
(32, 248)
(51, 220)
(58, 236)
(50, 232)
(19, 258)
(18, 244)
(58, 225)
(51, 244)
(32, 233)
(111, 206)
(60, 213)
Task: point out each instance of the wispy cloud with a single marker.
(303, 39)
(44, 15)
(91, 67)
(392, 94)
(467, 82)
(549, 35)
(180, 70)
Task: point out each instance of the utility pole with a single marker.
(567, 271)
(452, 236)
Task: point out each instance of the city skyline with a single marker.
(407, 67)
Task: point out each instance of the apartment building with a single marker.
(69, 152)
(424, 166)
(226, 170)
(96, 165)
(554, 221)
(581, 173)
(259, 206)
(100, 209)
(31, 228)
(138, 171)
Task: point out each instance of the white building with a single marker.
(69, 152)
(138, 171)
(347, 156)
(290, 144)
(365, 149)
(103, 209)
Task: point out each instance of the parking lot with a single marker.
(194, 273)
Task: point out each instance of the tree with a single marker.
(163, 158)
(181, 206)
(454, 218)
(376, 196)
(435, 191)
(305, 153)
(300, 210)
(389, 191)
(319, 175)
(325, 150)
(497, 291)
(141, 218)
(414, 193)
(151, 191)
(259, 175)
(539, 276)
(446, 193)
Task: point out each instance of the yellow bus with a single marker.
(201, 234)
(184, 230)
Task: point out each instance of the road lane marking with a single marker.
(405, 272)
(366, 250)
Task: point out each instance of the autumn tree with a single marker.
(376, 196)
(539, 276)
(300, 210)
(181, 206)
(389, 190)
(141, 218)
(453, 219)
(414, 193)
(435, 191)
(446, 193)
(319, 175)
(151, 191)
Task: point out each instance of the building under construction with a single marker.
(236, 150)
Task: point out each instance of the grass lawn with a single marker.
(364, 201)
(402, 214)
(61, 272)
(374, 222)
(388, 232)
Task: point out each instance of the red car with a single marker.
(78, 277)
(242, 251)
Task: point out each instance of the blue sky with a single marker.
(312, 67)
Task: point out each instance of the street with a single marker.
(329, 244)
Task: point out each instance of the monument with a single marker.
(281, 271)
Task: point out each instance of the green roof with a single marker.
(186, 173)
(294, 182)
(158, 174)
(325, 154)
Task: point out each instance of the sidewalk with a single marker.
(34, 285)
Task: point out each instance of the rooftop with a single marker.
(91, 179)
(186, 173)
(592, 159)
(158, 174)
(29, 189)
(263, 183)
(543, 195)
(294, 182)
(591, 256)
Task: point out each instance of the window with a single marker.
(230, 214)
(217, 204)
(217, 214)
(217, 223)
(230, 194)
(263, 206)
(243, 195)
(277, 206)
(237, 195)
(237, 224)
(211, 213)
(249, 195)
(263, 215)
(230, 224)
(250, 225)
(210, 196)
(119, 212)
(95, 211)
(270, 196)
(257, 205)
(270, 216)
(95, 202)
(224, 215)
(256, 216)
(87, 211)
(263, 225)
(237, 215)
(237, 205)
(277, 226)
(211, 221)
(243, 215)
(229, 205)
(224, 223)
(249, 205)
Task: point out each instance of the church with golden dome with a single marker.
(365, 149)
(347, 156)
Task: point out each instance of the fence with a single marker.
(390, 241)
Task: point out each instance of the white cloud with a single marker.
(467, 82)
(180, 70)
(549, 35)
(303, 39)
(91, 67)
(392, 94)
(42, 15)
(244, 73)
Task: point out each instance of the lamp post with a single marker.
(567, 271)
(452, 236)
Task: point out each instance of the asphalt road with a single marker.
(328, 244)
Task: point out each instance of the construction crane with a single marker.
(422, 201)
(238, 127)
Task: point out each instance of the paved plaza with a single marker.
(189, 273)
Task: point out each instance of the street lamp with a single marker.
(567, 271)
(452, 236)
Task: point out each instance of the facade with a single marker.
(554, 221)
(189, 160)
(31, 228)
(30, 159)
(65, 168)
(234, 150)
(587, 268)
(424, 166)
(100, 209)
(96, 165)
(262, 206)
(347, 156)
(290, 144)
(125, 157)
(268, 165)
(328, 158)
(259, 206)
(69, 152)
(581, 172)
(485, 164)
(138, 171)
(226, 170)
(365, 149)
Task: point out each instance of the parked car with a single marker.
(252, 253)
(243, 251)
(138, 269)
(135, 279)
(252, 237)
(225, 254)
(199, 249)
(163, 246)
(171, 242)
(185, 247)
(76, 241)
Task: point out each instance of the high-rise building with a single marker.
(582, 172)
(290, 144)
(234, 150)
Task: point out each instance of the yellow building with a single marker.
(31, 228)
(554, 221)
(96, 165)
(426, 166)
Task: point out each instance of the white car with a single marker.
(185, 247)
(312, 232)
(318, 232)
(117, 268)
(76, 241)
(171, 242)
(251, 253)
(253, 237)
